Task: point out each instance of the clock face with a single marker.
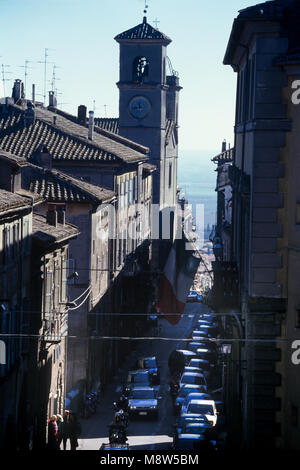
(139, 107)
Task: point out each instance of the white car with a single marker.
(205, 407)
(194, 396)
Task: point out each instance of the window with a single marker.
(64, 269)
(140, 69)
(48, 294)
(170, 175)
(57, 282)
(98, 267)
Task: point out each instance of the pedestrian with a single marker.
(52, 433)
(60, 423)
(66, 428)
(75, 431)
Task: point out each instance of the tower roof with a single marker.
(145, 32)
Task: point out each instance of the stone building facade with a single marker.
(263, 50)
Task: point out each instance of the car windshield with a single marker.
(142, 394)
(192, 379)
(184, 392)
(140, 377)
(200, 408)
(150, 362)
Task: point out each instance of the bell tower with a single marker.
(148, 103)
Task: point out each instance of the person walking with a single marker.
(52, 433)
(60, 423)
(75, 430)
(65, 428)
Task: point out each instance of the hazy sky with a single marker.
(80, 37)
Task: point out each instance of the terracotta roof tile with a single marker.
(46, 234)
(65, 140)
(9, 201)
(56, 186)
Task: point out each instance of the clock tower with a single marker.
(148, 104)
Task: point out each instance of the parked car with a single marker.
(203, 364)
(186, 418)
(192, 442)
(136, 377)
(206, 407)
(208, 354)
(194, 345)
(192, 378)
(143, 402)
(192, 296)
(150, 364)
(178, 359)
(183, 392)
(194, 396)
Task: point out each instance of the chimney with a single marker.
(46, 159)
(33, 92)
(61, 214)
(91, 125)
(29, 114)
(224, 146)
(81, 115)
(18, 90)
(52, 99)
(51, 215)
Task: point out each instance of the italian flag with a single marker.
(177, 279)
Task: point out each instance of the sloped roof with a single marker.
(64, 139)
(56, 186)
(143, 31)
(10, 201)
(47, 234)
(109, 124)
(224, 157)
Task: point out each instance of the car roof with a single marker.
(186, 352)
(198, 393)
(190, 374)
(198, 437)
(202, 402)
(191, 386)
(139, 388)
(146, 357)
(138, 371)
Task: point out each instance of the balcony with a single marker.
(224, 293)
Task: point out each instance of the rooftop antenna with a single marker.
(25, 67)
(45, 62)
(4, 72)
(105, 114)
(54, 77)
(94, 105)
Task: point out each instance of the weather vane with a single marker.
(146, 6)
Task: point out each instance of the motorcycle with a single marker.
(117, 435)
(121, 416)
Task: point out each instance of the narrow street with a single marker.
(143, 434)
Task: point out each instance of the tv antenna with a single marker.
(25, 67)
(45, 62)
(54, 78)
(4, 79)
(105, 107)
